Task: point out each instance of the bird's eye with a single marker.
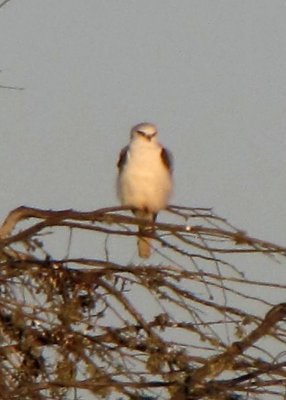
(149, 136)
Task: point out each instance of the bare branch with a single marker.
(3, 3)
(199, 322)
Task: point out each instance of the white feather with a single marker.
(145, 182)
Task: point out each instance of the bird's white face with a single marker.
(146, 131)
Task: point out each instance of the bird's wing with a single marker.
(122, 158)
(167, 159)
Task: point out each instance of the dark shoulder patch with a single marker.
(167, 159)
(122, 158)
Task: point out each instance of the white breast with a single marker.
(145, 182)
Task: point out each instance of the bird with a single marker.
(144, 181)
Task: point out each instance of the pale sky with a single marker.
(211, 74)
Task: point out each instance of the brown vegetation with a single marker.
(203, 321)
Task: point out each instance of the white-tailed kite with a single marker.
(145, 178)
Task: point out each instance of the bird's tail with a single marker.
(144, 246)
(144, 242)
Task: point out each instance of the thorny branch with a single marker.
(202, 319)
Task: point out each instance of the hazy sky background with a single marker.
(210, 73)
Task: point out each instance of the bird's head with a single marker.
(145, 130)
